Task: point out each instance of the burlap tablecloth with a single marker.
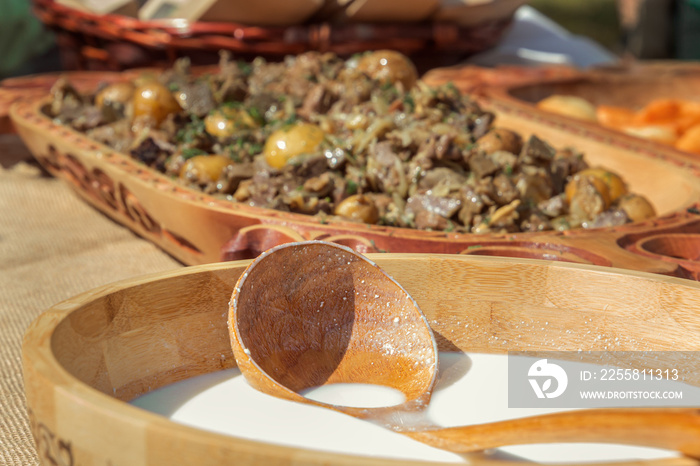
(52, 247)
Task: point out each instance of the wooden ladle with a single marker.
(308, 314)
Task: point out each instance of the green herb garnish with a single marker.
(351, 187)
(190, 132)
(190, 152)
(408, 103)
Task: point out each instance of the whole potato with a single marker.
(358, 207)
(224, 122)
(636, 207)
(204, 168)
(592, 185)
(389, 66)
(568, 105)
(614, 184)
(115, 93)
(498, 139)
(291, 141)
(154, 100)
(590, 198)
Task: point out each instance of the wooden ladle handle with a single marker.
(675, 429)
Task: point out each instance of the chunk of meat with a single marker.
(610, 218)
(196, 98)
(116, 135)
(318, 100)
(565, 164)
(536, 152)
(385, 170)
(482, 165)
(504, 190)
(536, 222)
(441, 179)
(588, 202)
(554, 206)
(236, 173)
(443, 206)
(151, 152)
(472, 205)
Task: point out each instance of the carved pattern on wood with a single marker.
(52, 449)
(113, 197)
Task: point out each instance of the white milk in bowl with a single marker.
(471, 389)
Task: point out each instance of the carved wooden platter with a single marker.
(86, 357)
(196, 228)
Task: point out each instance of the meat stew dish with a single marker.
(362, 139)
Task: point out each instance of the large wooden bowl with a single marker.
(197, 228)
(83, 359)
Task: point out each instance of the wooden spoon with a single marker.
(308, 314)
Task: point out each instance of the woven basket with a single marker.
(114, 42)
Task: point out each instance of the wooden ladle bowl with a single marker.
(313, 313)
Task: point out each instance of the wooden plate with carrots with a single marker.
(658, 102)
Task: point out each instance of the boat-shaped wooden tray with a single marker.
(84, 358)
(197, 228)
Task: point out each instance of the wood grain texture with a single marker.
(84, 357)
(677, 429)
